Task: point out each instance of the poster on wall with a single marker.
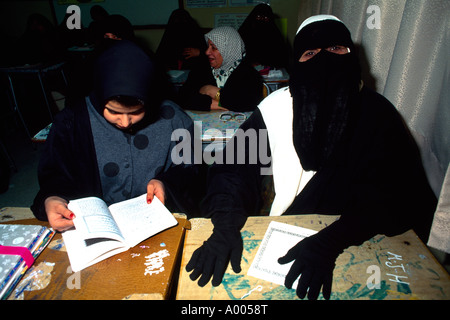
(246, 3)
(138, 12)
(69, 2)
(234, 20)
(206, 3)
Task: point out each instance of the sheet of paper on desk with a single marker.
(278, 239)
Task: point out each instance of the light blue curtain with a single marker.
(404, 49)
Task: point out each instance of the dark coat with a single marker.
(242, 92)
(375, 180)
(68, 167)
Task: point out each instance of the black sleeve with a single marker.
(235, 185)
(380, 186)
(243, 90)
(184, 182)
(189, 97)
(67, 167)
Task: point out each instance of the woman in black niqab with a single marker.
(324, 90)
(263, 39)
(182, 33)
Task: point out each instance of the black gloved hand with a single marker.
(314, 260)
(212, 258)
(223, 246)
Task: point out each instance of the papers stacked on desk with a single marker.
(33, 238)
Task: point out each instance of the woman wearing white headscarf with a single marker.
(229, 83)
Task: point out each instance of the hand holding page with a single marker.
(278, 239)
(101, 232)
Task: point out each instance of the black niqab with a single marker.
(324, 90)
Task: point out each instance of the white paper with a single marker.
(279, 238)
(139, 220)
(112, 230)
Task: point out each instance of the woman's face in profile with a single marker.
(214, 56)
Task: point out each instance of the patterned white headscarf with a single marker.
(231, 47)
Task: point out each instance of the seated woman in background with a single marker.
(263, 40)
(183, 45)
(114, 144)
(39, 43)
(230, 83)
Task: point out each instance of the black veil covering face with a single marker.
(324, 90)
(264, 42)
(126, 70)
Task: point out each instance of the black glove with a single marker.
(223, 246)
(315, 260)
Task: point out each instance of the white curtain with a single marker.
(404, 50)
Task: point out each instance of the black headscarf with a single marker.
(324, 90)
(263, 40)
(119, 26)
(126, 70)
(182, 32)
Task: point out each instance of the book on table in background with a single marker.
(42, 135)
(14, 240)
(101, 231)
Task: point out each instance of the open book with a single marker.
(101, 232)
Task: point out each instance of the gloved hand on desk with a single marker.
(223, 246)
(314, 259)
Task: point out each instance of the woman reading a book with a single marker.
(114, 144)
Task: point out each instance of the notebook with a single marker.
(15, 241)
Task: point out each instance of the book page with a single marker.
(83, 253)
(139, 220)
(278, 240)
(93, 219)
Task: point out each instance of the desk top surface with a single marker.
(407, 268)
(212, 127)
(143, 272)
(277, 76)
(34, 68)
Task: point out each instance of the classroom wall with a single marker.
(287, 9)
(14, 14)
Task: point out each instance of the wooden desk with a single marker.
(275, 81)
(212, 128)
(208, 124)
(416, 276)
(214, 132)
(119, 277)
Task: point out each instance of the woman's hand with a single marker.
(59, 216)
(215, 106)
(191, 53)
(209, 90)
(155, 188)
